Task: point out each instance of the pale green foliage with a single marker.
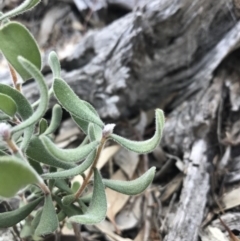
(48, 222)
(28, 154)
(42, 108)
(74, 105)
(37, 152)
(73, 171)
(14, 175)
(98, 206)
(24, 110)
(54, 64)
(55, 121)
(8, 105)
(23, 45)
(8, 219)
(143, 146)
(68, 155)
(132, 187)
(25, 6)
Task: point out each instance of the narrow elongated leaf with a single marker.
(27, 229)
(98, 206)
(91, 132)
(69, 210)
(43, 125)
(55, 120)
(61, 216)
(36, 219)
(51, 183)
(70, 101)
(25, 6)
(16, 40)
(73, 171)
(84, 124)
(68, 155)
(68, 199)
(91, 108)
(81, 123)
(4, 117)
(36, 166)
(14, 175)
(87, 198)
(24, 109)
(42, 107)
(48, 222)
(37, 152)
(8, 219)
(54, 64)
(7, 105)
(143, 146)
(97, 132)
(63, 186)
(132, 187)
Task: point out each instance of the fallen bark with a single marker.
(164, 52)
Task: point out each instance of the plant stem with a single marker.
(87, 178)
(44, 188)
(14, 79)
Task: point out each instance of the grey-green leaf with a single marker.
(63, 186)
(132, 187)
(43, 125)
(70, 101)
(70, 210)
(36, 74)
(68, 199)
(55, 120)
(68, 155)
(37, 152)
(27, 229)
(16, 40)
(54, 63)
(8, 219)
(14, 175)
(98, 206)
(143, 146)
(73, 171)
(94, 132)
(24, 109)
(36, 219)
(81, 123)
(61, 216)
(7, 105)
(25, 6)
(48, 222)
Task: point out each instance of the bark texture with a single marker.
(164, 52)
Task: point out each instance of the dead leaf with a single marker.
(213, 234)
(127, 161)
(230, 233)
(130, 216)
(172, 187)
(106, 154)
(104, 227)
(140, 235)
(231, 199)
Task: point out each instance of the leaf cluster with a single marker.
(24, 151)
